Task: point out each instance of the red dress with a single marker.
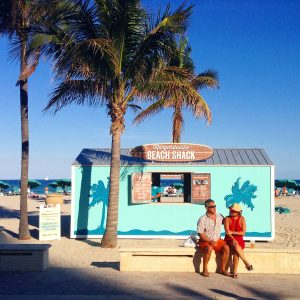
(234, 225)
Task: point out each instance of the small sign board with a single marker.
(141, 187)
(172, 152)
(49, 224)
(200, 187)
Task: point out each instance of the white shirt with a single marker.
(211, 229)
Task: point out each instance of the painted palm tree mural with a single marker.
(243, 194)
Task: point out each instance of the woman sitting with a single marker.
(235, 229)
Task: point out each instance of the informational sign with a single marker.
(49, 225)
(172, 152)
(200, 187)
(141, 187)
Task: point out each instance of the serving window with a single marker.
(170, 187)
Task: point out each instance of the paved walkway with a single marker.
(104, 282)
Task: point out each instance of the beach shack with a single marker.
(163, 188)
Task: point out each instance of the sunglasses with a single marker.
(212, 206)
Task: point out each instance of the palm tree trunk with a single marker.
(177, 125)
(24, 233)
(110, 236)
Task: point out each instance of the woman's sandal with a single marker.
(234, 276)
(249, 268)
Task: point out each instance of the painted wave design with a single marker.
(161, 232)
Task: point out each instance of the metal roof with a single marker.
(226, 157)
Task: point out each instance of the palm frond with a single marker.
(209, 78)
(198, 106)
(157, 42)
(149, 111)
(134, 107)
(79, 92)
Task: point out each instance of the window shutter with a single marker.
(201, 187)
(141, 188)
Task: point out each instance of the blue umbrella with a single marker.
(3, 185)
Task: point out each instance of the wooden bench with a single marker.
(24, 257)
(180, 259)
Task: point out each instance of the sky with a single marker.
(253, 45)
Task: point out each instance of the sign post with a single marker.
(49, 225)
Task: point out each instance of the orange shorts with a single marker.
(217, 247)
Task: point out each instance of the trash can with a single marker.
(54, 199)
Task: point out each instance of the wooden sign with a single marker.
(141, 187)
(200, 187)
(172, 152)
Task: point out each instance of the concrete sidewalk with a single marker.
(105, 282)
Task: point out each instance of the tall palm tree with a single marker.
(103, 56)
(177, 87)
(18, 20)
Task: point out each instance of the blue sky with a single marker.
(255, 47)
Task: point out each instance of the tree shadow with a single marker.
(187, 292)
(11, 233)
(83, 205)
(6, 213)
(231, 295)
(90, 243)
(259, 293)
(107, 264)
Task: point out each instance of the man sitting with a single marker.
(209, 230)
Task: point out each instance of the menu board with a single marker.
(141, 187)
(49, 222)
(200, 187)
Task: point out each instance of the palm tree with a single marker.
(104, 55)
(18, 19)
(177, 87)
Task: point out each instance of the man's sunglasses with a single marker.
(212, 206)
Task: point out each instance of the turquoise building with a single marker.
(244, 176)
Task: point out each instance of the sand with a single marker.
(72, 253)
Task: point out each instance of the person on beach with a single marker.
(284, 191)
(209, 230)
(235, 229)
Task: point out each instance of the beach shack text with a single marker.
(174, 152)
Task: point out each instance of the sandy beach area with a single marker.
(72, 253)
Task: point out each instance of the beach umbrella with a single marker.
(3, 185)
(291, 184)
(178, 185)
(33, 184)
(53, 184)
(63, 183)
